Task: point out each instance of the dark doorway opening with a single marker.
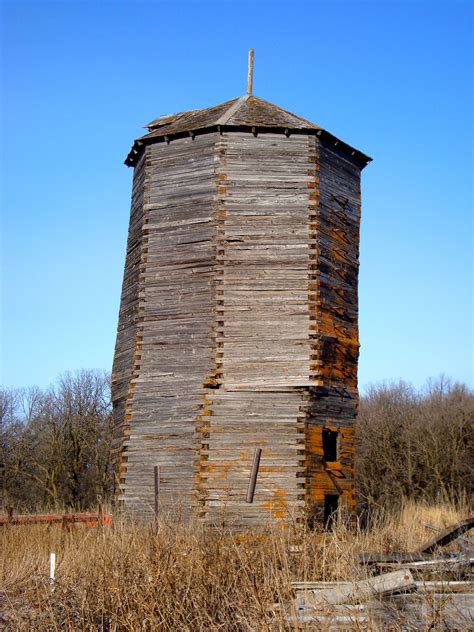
(330, 445)
(331, 505)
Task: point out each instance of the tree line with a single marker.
(415, 444)
(55, 443)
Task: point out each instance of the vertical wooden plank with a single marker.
(253, 475)
(156, 471)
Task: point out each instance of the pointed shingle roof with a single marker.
(248, 111)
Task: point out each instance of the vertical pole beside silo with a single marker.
(253, 475)
(156, 471)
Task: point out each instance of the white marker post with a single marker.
(52, 569)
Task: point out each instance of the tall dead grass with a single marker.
(185, 577)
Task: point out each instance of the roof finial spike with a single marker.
(250, 73)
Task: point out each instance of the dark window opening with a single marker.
(331, 505)
(330, 445)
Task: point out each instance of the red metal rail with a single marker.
(86, 519)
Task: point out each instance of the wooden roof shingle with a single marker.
(247, 111)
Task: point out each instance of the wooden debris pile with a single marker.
(430, 585)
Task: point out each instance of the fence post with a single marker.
(253, 475)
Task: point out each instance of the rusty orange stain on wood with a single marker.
(319, 472)
(221, 470)
(277, 504)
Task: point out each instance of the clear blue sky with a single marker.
(394, 79)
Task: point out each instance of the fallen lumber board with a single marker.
(426, 550)
(452, 612)
(437, 564)
(455, 611)
(422, 586)
(440, 587)
(380, 585)
(330, 619)
(398, 556)
(333, 614)
(317, 585)
(448, 535)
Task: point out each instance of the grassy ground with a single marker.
(184, 577)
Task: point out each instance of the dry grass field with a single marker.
(184, 577)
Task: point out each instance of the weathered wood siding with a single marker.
(335, 227)
(238, 326)
(123, 370)
(263, 345)
(175, 347)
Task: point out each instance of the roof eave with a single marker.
(359, 157)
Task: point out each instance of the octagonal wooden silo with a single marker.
(238, 319)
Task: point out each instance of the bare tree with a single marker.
(57, 448)
(415, 444)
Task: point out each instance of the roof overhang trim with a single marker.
(354, 154)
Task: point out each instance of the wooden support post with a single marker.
(156, 471)
(253, 475)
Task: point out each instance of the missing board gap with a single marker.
(331, 510)
(331, 445)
